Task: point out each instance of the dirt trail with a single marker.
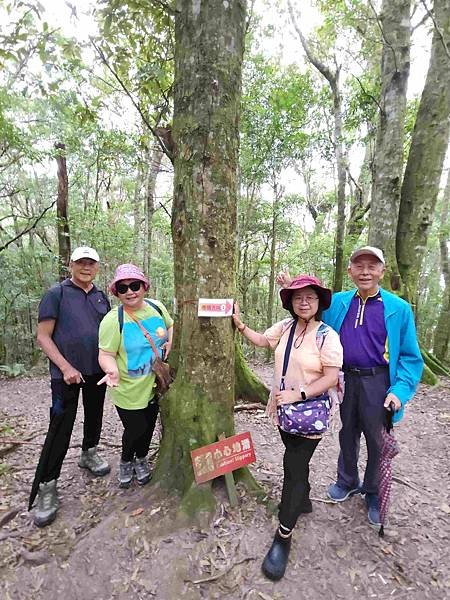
(108, 543)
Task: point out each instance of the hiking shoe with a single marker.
(126, 473)
(339, 493)
(91, 460)
(373, 509)
(48, 504)
(142, 470)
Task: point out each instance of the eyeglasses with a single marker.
(307, 299)
(122, 288)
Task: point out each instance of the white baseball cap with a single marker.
(368, 250)
(84, 252)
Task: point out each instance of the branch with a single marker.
(367, 94)
(436, 26)
(128, 93)
(321, 67)
(382, 34)
(28, 229)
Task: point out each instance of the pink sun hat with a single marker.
(301, 281)
(128, 271)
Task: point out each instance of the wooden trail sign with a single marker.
(222, 457)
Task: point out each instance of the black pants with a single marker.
(138, 427)
(362, 411)
(62, 418)
(297, 455)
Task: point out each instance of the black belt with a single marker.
(365, 372)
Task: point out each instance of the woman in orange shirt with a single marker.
(314, 361)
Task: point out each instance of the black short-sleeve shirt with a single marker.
(78, 315)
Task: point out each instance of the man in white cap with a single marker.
(382, 366)
(69, 318)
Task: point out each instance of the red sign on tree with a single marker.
(222, 457)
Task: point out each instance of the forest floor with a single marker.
(108, 543)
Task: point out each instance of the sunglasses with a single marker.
(134, 286)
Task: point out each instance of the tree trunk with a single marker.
(209, 43)
(442, 331)
(154, 166)
(273, 246)
(339, 150)
(247, 385)
(426, 156)
(388, 161)
(137, 214)
(61, 212)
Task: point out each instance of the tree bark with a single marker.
(442, 331)
(61, 212)
(388, 161)
(153, 168)
(209, 43)
(273, 246)
(426, 156)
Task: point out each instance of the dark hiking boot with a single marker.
(91, 460)
(142, 470)
(126, 472)
(275, 562)
(373, 510)
(47, 504)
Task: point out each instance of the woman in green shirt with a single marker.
(126, 357)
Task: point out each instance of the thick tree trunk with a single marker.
(442, 331)
(209, 43)
(61, 212)
(388, 161)
(247, 385)
(426, 156)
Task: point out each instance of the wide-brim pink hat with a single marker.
(128, 271)
(302, 281)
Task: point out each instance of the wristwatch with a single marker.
(302, 393)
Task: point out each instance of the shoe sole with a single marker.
(96, 473)
(41, 524)
(350, 493)
(143, 481)
(125, 485)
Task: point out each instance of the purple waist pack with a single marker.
(309, 417)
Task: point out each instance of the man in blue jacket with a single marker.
(382, 366)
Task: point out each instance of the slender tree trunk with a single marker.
(339, 149)
(273, 247)
(61, 212)
(137, 214)
(426, 156)
(388, 162)
(155, 157)
(209, 43)
(442, 331)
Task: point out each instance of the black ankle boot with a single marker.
(274, 564)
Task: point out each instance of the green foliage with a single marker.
(14, 370)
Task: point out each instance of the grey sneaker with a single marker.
(48, 504)
(126, 473)
(91, 460)
(142, 470)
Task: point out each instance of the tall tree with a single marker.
(426, 156)
(61, 211)
(442, 331)
(395, 25)
(333, 79)
(209, 44)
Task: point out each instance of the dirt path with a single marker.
(109, 543)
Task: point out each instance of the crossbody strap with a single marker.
(287, 353)
(148, 337)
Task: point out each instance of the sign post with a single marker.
(223, 457)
